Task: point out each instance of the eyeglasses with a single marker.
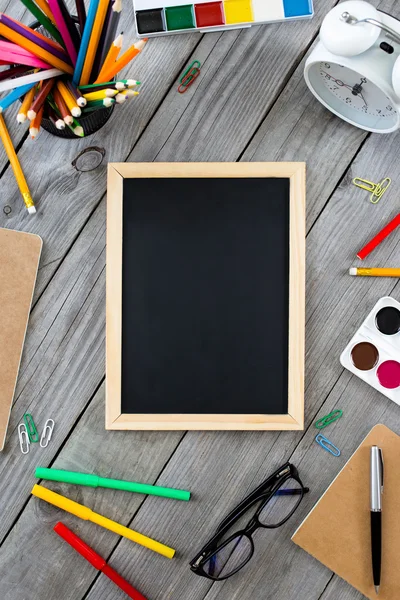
(231, 548)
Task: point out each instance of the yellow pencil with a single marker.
(111, 56)
(375, 272)
(69, 100)
(22, 41)
(16, 167)
(94, 41)
(83, 512)
(126, 58)
(26, 104)
(101, 94)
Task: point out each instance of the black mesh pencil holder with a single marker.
(91, 122)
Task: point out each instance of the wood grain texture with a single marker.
(64, 357)
(294, 419)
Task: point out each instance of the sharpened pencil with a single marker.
(80, 100)
(40, 99)
(25, 106)
(16, 167)
(69, 100)
(112, 55)
(62, 107)
(124, 60)
(94, 41)
(36, 123)
(108, 36)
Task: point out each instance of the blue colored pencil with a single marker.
(15, 95)
(91, 15)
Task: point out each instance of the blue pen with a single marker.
(14, 95)
(91, 15)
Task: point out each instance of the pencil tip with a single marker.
(377, 589)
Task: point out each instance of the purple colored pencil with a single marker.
(30, 35)
(63, 29)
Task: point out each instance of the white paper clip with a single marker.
(23, 437)
(47, 433)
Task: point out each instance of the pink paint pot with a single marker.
(388, 374)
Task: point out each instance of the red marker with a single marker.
(96, 561)
(386, 231)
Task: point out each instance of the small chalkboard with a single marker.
(205, 296)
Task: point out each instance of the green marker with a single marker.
(95, 481)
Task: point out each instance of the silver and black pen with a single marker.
(376, 513)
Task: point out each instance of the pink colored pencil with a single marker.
(23, 59)
(63, 29)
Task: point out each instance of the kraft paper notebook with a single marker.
(337, 530)
(20, 254)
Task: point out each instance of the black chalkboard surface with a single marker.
(206, 291)
(205, 296)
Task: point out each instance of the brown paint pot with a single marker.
(365, 356)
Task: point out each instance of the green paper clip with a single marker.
(31, 428)
(328, 419)
(196, 64)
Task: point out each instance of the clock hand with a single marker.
(338, 81)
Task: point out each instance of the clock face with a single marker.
(353, 96)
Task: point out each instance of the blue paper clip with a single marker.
(327, 445)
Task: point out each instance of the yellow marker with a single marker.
(16, 167)
(375, 272)
(101, 94)
(88, 515)
(238, 11)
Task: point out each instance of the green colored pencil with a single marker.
(43, 20)
(120, 85)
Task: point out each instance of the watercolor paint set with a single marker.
(160, 17)
(373, 354)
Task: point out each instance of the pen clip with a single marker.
(382, 468)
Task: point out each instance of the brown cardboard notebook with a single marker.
(337, 530)
(20, 253)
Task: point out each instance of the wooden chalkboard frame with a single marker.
(294, 419)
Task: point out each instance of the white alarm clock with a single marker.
(355, 68)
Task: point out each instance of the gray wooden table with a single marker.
(249, 104)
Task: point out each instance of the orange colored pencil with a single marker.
(62, 107)
(42, 4)
(94, 41)
(52, 60)
(35, 124)
(126, 58)
(111, 56)
(69, 100)
(26, 104)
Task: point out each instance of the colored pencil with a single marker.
(119, 85)
(55, 119)
(94, 41)
(97, 57)
(378, 239)
(77, 129)
(40, 99)
(57, 11)
(24, 59)
(91, 15)
(36, 123)
(71, 24)
(69, 99)
(80, 100)
(111, 30)
(101, 94)
(25, 106)
(14, 96)
(62, 107)
(43, 20)
(98, 104)
(81, 12)
(40, 52)
(96, 561)
(27, 79)
(44, 7)
(35, 37)
(374, 272)
(124, 60)
(16, 167)
(112, 55)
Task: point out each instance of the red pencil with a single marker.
(378, 239)
(96, 561)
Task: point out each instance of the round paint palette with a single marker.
(373, 353)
